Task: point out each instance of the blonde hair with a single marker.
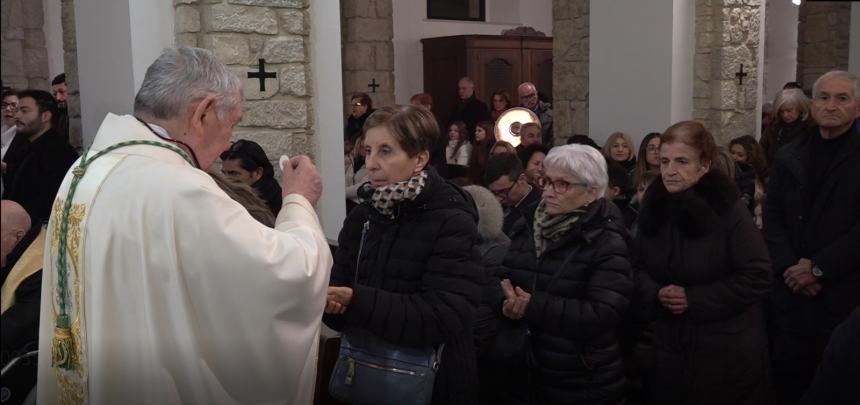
(612, 138)
(414, 128)
(247, 197)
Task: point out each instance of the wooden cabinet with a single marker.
(492, 61)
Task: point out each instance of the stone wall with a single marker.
(25, 57)
(727, 35)
(822, 40)
(368, 53)
(70, 61)
(570, 68)
(240, 32)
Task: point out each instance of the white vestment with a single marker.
(186, 299)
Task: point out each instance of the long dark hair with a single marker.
(251, 157)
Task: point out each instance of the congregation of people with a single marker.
(678, 272)
(555, 271)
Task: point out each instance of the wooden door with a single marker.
(496, 69)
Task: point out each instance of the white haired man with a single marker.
(529, 98)
(163, 290)
(811, 226)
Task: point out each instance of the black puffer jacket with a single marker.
(703, 239)
(582, 286)
(419, 283)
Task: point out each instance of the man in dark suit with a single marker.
(469, 109)
(39, 157)
(812, 229)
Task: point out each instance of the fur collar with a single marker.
(490, 213)
(696, 210)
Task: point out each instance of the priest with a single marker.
(160, 289)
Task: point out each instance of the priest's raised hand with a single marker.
(301, 177)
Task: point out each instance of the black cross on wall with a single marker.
(373, 86)
(741, 74)
(262, 74)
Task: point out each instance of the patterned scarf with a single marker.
(385, 198)
(551, 228)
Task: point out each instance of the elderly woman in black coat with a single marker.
(705, 269)
(410, 245)
(570, 281)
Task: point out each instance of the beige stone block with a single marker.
(293, 22)
(34, 38)
(384, 58)
(186, 39)
(229, 18)
(177, 2)
(366, 29)
(701, 88)
(580, 118)
(816, 28)
(814, 55)
(284, 49)
(70, 63)
(560, 10)
(730, 58)
(702, 66)
(67, 16)
(231, 49)
(36, 62)
(359, 56)
(727, 97)
(294, 80)
(33, 14)
(272, 3)
(579, 8)
(187, 19)
(358, 8)
(562, 31)
(383, 8)
(277, 113)
(256, 43)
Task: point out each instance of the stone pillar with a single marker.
(570, 68)
(822, 40)
(368, 53)
(70, 61)
(25, 58)
(241, 32)
(727, 35)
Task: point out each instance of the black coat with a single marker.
(524, 209)
(39, 168)
(835, 382)
(825, 229)
(355, 126)
(471, 111)
(419, 281)
(582, 284)
(704, 239)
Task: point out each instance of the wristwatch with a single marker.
(816, 271)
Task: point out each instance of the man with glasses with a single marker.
(529, 99)
(506, 179)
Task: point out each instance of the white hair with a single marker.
(184, 75)
(841, 74)
(581, 161)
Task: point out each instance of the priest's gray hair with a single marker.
(841, 74)
(184, 75)
(580, 161)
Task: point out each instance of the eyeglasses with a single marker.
(357, 104)
(559, 186)
(652, 148)
(529, 95)
(12, 106)
(504, 191)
